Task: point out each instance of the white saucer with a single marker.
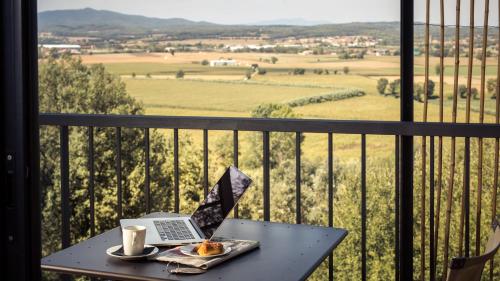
(188, 251)
(110, 252)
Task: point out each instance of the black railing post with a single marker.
(330, 198)
(432, 247)
(91, 180)
(406, 154)
(65, 193)
(298, 179)
(467, 195)
(363, 208)
(147, 180)
(205, 163)
(266, 182)
(235, 163)
(118, 167)
(176, 171)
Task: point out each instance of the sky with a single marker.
(251, 11)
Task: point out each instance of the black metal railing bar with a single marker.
(276, 125)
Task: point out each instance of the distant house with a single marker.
(61, 48)
(235, 48)
(223, 62)
(382, 52)
(252, 47)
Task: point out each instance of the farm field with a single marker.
(224, 92)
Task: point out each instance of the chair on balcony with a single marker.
(471, 268)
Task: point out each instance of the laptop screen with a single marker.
(220, 200)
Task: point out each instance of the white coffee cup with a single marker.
(134, 237)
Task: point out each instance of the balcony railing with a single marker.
(265, 126)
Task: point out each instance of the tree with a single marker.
(462, 91)
(318, 71)
(172, 52)
(261, 71)
(148, 75)
(492, 87)
(248, 74)
(346, 70)
(430, 88)
(205, 62)
(274, 60)
(282, 142)
(395, 87)
(133, 74)
(479, 55)
(180, 74)
(437, 68)
(474, 93)
(419, 92)
(299, 71)
(344, 55)
(382, 85)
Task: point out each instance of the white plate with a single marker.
(188, 251)
(113, 249)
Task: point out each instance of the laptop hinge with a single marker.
(198, 230)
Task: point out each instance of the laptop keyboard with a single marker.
(173, 230)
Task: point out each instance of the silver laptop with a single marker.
(203, 223)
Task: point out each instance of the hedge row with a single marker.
(336, 96)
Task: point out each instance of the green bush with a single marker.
(382, 85)
(248, 74)
(318, 71)
(180, 74)
(299, 71)
(262, 71)
(340, 95)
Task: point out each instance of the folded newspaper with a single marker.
(238, 247)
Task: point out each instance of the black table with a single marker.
(287, 252)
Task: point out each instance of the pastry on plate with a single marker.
(208, 248)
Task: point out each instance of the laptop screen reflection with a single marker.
(220, 201)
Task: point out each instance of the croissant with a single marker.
(208, 248)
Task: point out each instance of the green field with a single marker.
(222, 91)
(209, 95)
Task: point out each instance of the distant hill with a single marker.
(85, 21)
(108, 24)
(91, 22)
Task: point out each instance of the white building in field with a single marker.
(223, 62)
(61, 48)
